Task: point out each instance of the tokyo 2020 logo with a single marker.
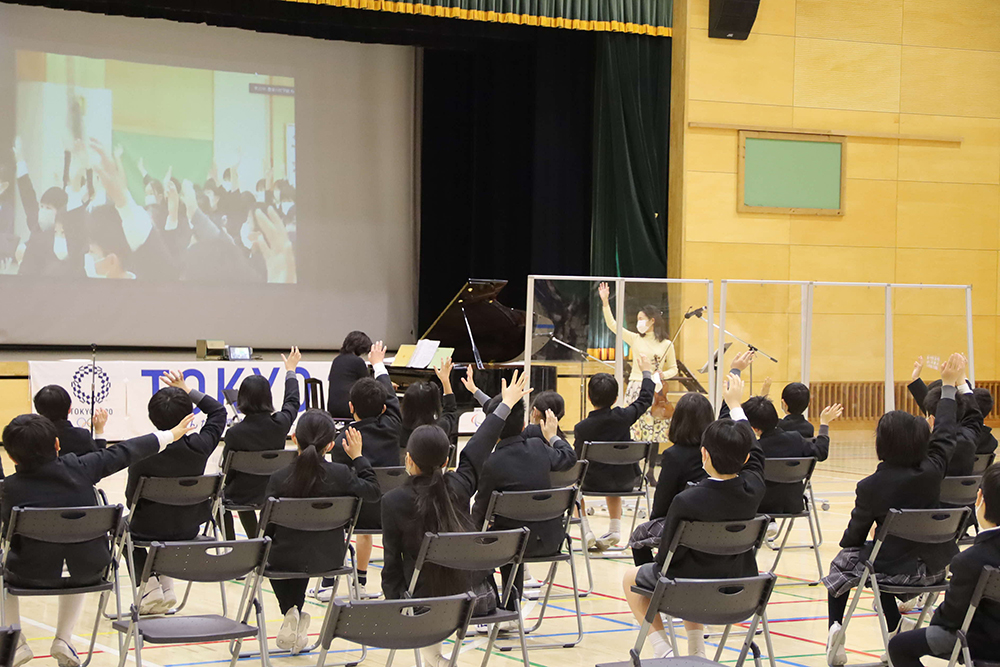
(81, 384)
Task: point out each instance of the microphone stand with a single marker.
(93, 381)
(699, 313)
(584, 358)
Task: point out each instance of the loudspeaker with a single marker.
(731, 19)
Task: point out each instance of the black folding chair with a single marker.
(202, 561)
(176, 492)
(258, 464)
(9, 638)
(983, 461)
(930, 526)
(388, 479)
(710, 602)
(315, 395)
(574, 477)
(61, 528)
(398, 624)
(793, 471)
(527, 507)
(312, 515)
(962, 492)
(621, 454)
(988, 587)
(478, 552)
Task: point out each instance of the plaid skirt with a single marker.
(647, 535)
(847, 568)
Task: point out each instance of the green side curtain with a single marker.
(631, 142)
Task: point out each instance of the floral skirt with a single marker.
(646, 428)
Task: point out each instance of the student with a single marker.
(734, 462)
(794, 401)
(987, 442)
(436, 501)
(261, 430)
(938, 639)
(522, 461)
(423, 404)
(680, 465)
(607, 424)
(970, 422)
(347, 368)
(185, 458)
(312, 476)
(44, 478)
(375, 409)
(53, 402)
(913, 460)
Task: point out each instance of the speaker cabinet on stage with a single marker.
(731, 19)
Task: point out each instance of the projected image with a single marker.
(153, 173)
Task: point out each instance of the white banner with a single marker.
(124, 388)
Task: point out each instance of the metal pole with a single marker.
(805, 344)
(720, 349)
(711, 367)
(619, 343)
(890, 383)
(529, 334)
(968, 333)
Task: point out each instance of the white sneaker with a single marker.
(23, 653)
(321, 594)
(64, 653)
(168, 602)
(607, 541)
(532, 583)
(591, 541)
(772, 531)
(289, 630)
(152, 601)
(363, 593)
(509, 627)
(431, 656)
(908, 606)
(301, 633)
(836, 654)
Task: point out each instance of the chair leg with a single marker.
(576, 599)
(586, 560)
(815, 543)
(767, 640)
(102, 603)
(928, 605)
(673, 635)
(388, 661)
(883, 625)
(549, 580)
(815, 514)
(236, 652)
(722, 642)
(781, 547)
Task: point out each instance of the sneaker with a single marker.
(152, 601)
(363, 593)
(289, 630)
(591, 541)
(321, 594)
(301, 633)
(607, 541)
(772, 531)
(908, 606)
(431, 656)
(836, 654)
(23, 653)
(532, 583)
(168, 602)
(64, 653)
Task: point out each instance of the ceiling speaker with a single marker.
(731, 19)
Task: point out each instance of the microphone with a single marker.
(696, 312)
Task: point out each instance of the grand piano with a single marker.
(486, 334)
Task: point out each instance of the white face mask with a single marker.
(90, 266)
(642, 325)
(285, 206)
(59, 247)
(227, 186)
(260, 196)
(150, 199)
(245, 232)
(46, 218)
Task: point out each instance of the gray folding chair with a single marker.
(258, 464)
(63, 529)
(200, 561)
(574, 477)
(480, 553)
(793, 471)
(983, 461)
(398, 624)
(930, 526)
(988, 587)
(526, 507)
(962, 492)
(389, 478)
(312, 515)
(9, 637)
(621, 454)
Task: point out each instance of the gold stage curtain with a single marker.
(643, 17)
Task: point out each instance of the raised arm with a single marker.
(609, 320)
(644, 400)
(448, 420)
(364, 481)
(562, 456)
(467, 380)
(945, 434)
(820, 445)
(215, 413)
(377, 357)
(29, 199)
(98, 465)
(290, 404)
(917, 388)
(752, 473)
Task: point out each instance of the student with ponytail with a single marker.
(312, 476)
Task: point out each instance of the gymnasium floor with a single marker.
(797, 612)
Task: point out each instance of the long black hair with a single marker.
(659, 321)
(254, 396)
(421, 404)
(692, 415)
(314, 431)
(550, 400)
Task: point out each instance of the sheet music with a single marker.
(422, 356)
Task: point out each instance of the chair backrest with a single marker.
(572, 477)
(264, 463)
(399, 624)
(532, 506)
(315, 397)
(202, 560)
(179, 491)
(391, 478)
(789, 470)
(311, 514)
(616, 453)
(9, 637)
(472, 551)
(988, 586)
(66, 525)
(714, 601)
(960, 490)
(983, 461)
(721, 538)
(930, 526)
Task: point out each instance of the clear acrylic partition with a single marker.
(847, 365)
(768, 316)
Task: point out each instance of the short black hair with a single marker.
(602, 390)
(421, 404)
(515, 420)
(550, 400)
(984, 399)
(990, 487)
(796, 397)
(367, 398)
(761, 413)
(902, 439)
(53, 402)
(168, 407)
(254, 396)
(728, 444)
(30, 440)
(356, 342)
(54, 197)
(692, 415)
(933, 398)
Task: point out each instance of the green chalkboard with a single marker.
(791, 173)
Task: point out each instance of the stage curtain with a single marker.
(631, 140)
(644, 17)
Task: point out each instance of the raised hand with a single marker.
(830, 413)
(918, 366)
(645, 365)
(100, 420)
(111, 176)
(377, 354)
(183, 428)
(953, 369)
(352, 442)
(292, 360)
(766, 387)
(550, 425)
(175, 379)
(604, 292)
(443, 372)
(516, 390)
(742, 360)
(468, 380)
(732, 390)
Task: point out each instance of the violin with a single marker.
(662, 408)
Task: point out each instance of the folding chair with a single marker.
(983, 461)
(312, 515)
(176, 492)
(793, 471)
(962, 492)
(398, 624)
(534, 506)
(388, 479)
(258, 464)
(478, 552)
(574, 477)
(988, 587)
(621, 454)
(930, 526)
(231, 397)
(315, 395)
(200, 561)
(63, 529)
(9, 637)
(710, 602)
